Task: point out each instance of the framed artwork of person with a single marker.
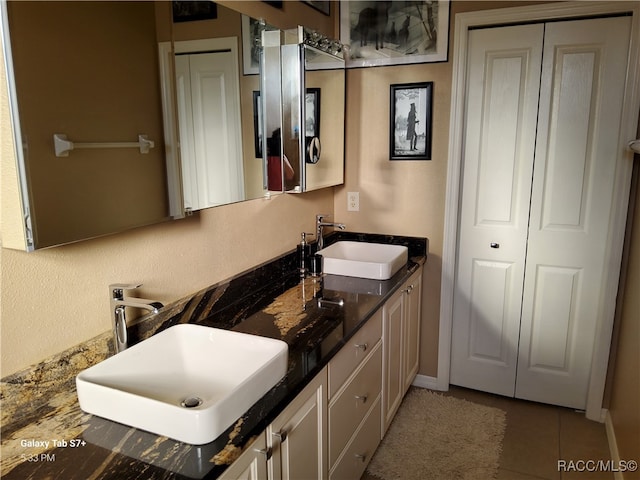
(410, 122)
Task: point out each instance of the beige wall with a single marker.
(398, 197)
(624, 404)
(55, 298)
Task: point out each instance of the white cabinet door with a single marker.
(251, 465)
(413, 308)
(401, 316)
(298, 437)
(392, 347)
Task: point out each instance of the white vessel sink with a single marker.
(376, 261)
(189, 382)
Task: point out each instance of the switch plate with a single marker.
(353, 201)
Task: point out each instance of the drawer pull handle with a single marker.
(362, 346)
(361, 456)
(281, 435)
(265, 451)
(409, 289)
(361, 397)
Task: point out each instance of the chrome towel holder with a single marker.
(63, 146)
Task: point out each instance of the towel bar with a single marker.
(63, 146)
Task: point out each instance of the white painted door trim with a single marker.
(563, 10)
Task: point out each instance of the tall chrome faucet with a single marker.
(118, 304)
(320, 224)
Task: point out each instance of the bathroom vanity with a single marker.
(351, 358)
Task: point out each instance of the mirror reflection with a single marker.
(217, 103)
(107, 73)
(73, 65)
(313, 89)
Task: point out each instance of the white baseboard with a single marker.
(424, 381)
(613, 444)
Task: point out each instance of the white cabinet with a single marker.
(401, 345)
(297, 438)
(360, 449)
(355, 384)
(393, 385)
(413, 309)
(333, 427)
(294, 445)
(252, 464)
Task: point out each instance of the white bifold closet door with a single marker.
(543, 112)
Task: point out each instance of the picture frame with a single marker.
(189, 11)
(323, 6)
(380, 33)
(251, 45)
(410, 122)
(257, 123)
(312, 112)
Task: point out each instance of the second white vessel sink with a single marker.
(376, 261)
(189, 382)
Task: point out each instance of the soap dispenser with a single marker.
(304, 251)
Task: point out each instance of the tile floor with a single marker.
(538, 435)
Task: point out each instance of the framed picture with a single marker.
(251, 45)
(410, 123)
(312, 112)
(189, 11)
(257, 123)
(323, 6)
(393, 33)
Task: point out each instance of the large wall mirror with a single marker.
(95, 74)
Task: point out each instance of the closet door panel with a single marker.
(502, 100)
(581, 94)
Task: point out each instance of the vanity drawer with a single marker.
(354, 352)
(358, 453)
(352, 403)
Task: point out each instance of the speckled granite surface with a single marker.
(46, 435)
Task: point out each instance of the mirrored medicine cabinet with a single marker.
(309, 115)
(126, 88)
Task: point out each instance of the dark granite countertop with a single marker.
(271, 300)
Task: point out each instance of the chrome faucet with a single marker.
(320, 224)
(118, 304)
